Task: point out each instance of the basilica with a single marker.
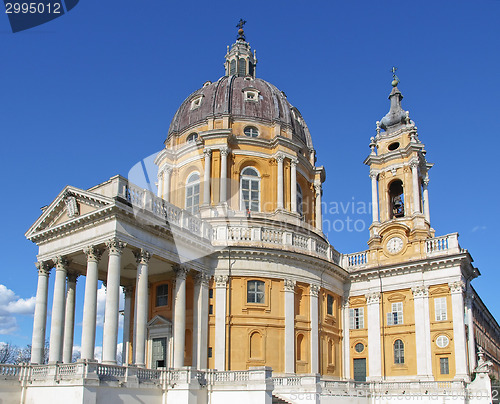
(232, 290)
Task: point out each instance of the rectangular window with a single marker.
(210, 293)
(211, 309)
(357, 318)
(440, 308)
(395, 317)
(329, 305)
(209, 351)
(161, 295)
(444, 366)
(255, 291)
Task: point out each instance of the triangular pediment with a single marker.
(71, 204)
(159, 321)
(441, 290)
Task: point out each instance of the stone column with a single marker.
(167, 175)
(40, 317)
(373, 176)
(422, 331)
(415, 186)
(127, 310)
(141, 307)
(200, 321)
(220, 321)
(111, 310)
(279, 158)
(313, 293)
(425, 184)
(206, 178)
(224, 151)
(289, 292)
(90, 303)
(179, 315)
(469, 300)
(346, 338)
(160, 183)
(374, 343)
(69, 318)
(457, 303)
(293, 185)
(319, 215)
(58, 308)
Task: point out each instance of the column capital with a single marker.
(289, 285)
(72, 277)
(207, 152)
(221, 281)
(279, 157)
(457, 287)
(413, 164)
(317, 188)
(373, 174)
(425, 180)
(202, 278)
(294, 162)
(345, 302)
(224, 151)
(93, 253)
(164, 170)
(373, 298)
(314, 290)
(115, 246)
(127, 291)
(61, 263)
(142, 256)
(420, 291)
(180, 271)
(43, 268)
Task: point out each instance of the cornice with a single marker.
(422, 265)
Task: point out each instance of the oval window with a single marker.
(442, 341)
(359, 347)
(393, 146)
(251, 131)
(192, 137)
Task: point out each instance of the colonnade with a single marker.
(164, 180)
(63, 310)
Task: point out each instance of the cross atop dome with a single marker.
(239, 58)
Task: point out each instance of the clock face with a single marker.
(394, 245)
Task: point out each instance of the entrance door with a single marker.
(359, 367)
(159, 359)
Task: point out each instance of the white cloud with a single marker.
(477, 228)
(10, 306)
(101, 303)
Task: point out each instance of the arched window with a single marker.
(192, 137)
(242, 67)
(232, 68)
(250, 190)
(255, 292)
(193, 193)
(300, 200)
(399, 352)
(251, 131)
(396, 199)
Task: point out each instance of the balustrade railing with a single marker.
(113, 372)
(443, 244)
(355, 260)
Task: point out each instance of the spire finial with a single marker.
(241, 33)
(395, 79)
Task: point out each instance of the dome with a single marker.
(229, 96)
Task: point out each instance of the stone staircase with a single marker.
(279, 400)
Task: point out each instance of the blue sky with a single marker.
(90, 94)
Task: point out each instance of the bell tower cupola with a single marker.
(239, 58)
(399, 179)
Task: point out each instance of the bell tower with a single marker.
(399, 179)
